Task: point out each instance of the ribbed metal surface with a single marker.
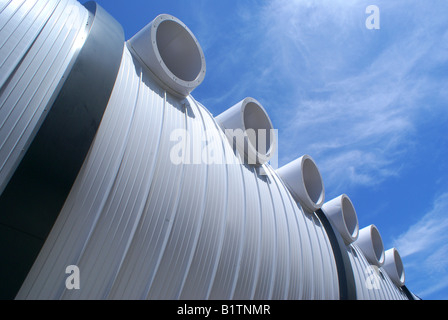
(372, 283)
(38, 42)
(139, 226)
(136, 223)
(20, 24)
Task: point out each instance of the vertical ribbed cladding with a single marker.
(172, 53)
(245, 280)
(372, 282)
(262, 272)
(325, 284)
(249, 130)
(222, 286)
(82, 210)
(268, 240)
(315, 260)
(161, 207)
(281, 279)
(48, 39)
(40, 42)
(394, 266)
(175, 260)
(365, 253)
(202, 271)
(123, 209)
(24, 19)
(298, 244)
(304, 181)
(140, 225)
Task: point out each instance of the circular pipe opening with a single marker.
(172, 54)
(312, 181)
(303, 179)
(371, 244)
(394, 266)
(342, 214)
(377, 244)
(350, 217)
(179, 50)
(247, 125)
(255, 118)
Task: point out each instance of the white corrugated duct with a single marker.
(371, 281)
(168, 203)
(141, 226)
(364, 249)
(249, 247)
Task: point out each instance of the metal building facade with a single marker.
(102, 120)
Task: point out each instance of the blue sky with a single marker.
(370, 106)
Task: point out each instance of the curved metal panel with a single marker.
(164, 208)
(90, 49)
(372, 283)
(82, 209)
(20, 24)
(34, 84)
(47, 37)
(140, 226)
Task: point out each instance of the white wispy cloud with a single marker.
(429, 230)
(424, 250)
(356, 102)
(352, 98)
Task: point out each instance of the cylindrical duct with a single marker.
(341, 212)
(394, 266)
(371, 244)
(172, 53)
(248, 126)
(303, 179)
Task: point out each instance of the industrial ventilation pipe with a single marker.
(303, 179)
(172, 53)
(371, 244)
(249, 129)
(87, 177)
(341, 212)
(394, 267)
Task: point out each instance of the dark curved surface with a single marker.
(39, 187)
(346, 279)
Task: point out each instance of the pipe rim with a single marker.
(182, 36)
(350, 217)
(312, 182)
(254, 116)
(377, 244)
(399, 267)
